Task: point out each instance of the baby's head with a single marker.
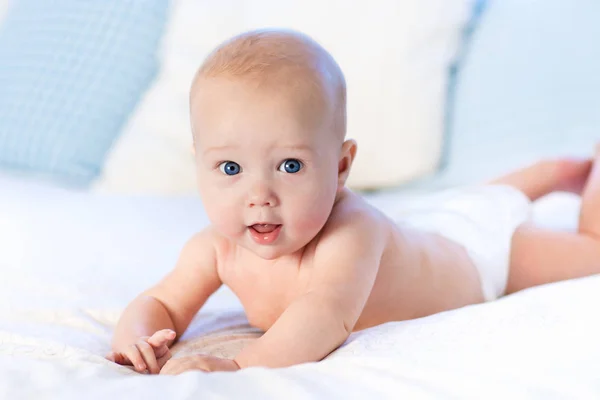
(268, 115)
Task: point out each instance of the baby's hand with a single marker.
(198, 362)
(149, 353)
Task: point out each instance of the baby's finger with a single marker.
(161, 351)
(161, 337)
(164, 359)
(135, 357)
(149, 357)
(118, 358)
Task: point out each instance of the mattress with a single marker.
(71, 261)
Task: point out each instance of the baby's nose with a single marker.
(261, 196)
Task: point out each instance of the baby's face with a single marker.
(267, 175)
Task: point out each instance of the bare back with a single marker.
(418, 274)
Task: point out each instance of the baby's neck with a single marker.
(340, 195)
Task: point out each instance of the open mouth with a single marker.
(264, 233)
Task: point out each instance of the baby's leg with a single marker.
(544, 177)
(542, 256)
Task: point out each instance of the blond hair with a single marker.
(284, 60)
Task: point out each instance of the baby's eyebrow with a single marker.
(218, 148)
(294, 147)
(300, 147)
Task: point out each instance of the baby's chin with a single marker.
(268, 253)
(272, 251)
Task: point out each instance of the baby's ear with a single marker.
(346, 158)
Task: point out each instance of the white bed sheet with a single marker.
(71, 261)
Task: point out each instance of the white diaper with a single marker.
(480, 218)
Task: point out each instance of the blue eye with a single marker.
(230, 168)
(291, 166)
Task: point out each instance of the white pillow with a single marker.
(395, 55)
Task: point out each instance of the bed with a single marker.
(71, 261)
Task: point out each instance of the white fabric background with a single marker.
(395, 54)
(71, 261)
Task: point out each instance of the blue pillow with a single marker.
(528, 88)
(71, 72)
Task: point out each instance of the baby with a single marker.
(311, 261)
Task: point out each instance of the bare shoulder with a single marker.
(354, 213)
(356, 224)
(202, 245)
(348, 255)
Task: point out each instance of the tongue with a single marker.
(266, 228)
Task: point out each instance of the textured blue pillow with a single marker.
(71, 72)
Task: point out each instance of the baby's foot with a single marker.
(571, 174)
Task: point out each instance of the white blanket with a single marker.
(71, 261)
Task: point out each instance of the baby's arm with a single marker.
(346, 265)
(171, 304)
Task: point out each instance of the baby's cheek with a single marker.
(313, 217)
(227, 225)
(224, 217)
